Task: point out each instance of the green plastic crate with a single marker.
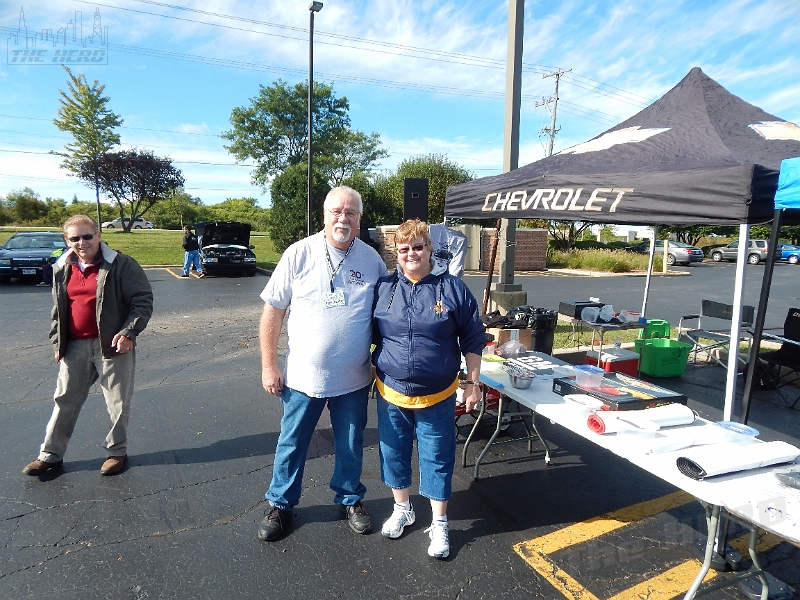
(663, 357)
(656, 328)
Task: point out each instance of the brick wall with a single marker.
(531, 249)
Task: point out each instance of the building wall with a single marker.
(531, 249)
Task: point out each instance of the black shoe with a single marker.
(358, 518)
(185, 275)
(274, 524)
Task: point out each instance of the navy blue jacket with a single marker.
(418, 348)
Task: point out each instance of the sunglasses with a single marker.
(415, 248)
(77, 238)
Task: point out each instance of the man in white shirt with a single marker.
(328, 279)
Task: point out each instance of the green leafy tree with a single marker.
(179, 209)
(440, 172)
(273, 130)
(136, 180)
(376, 211)
(245, 210)
(288, 215)
(349, 153)
(84, 113)
(27, 206)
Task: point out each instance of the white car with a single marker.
(138, 223)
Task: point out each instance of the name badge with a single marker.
(333, 298)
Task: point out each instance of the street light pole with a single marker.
(314, 7)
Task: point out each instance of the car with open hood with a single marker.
(225, 248)
(24, 254)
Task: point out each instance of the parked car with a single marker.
(225, 247)
(24, 254)
(757, 251)
(677, 252)
(138, 223)
(790, 253)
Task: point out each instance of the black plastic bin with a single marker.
(543, 328)
(542, 323)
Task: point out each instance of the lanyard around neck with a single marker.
(333, 271)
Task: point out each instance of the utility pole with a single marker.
(552, 130)
(507, 231)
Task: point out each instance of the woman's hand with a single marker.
(472, 396)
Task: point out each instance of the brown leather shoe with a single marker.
(39, 467)
(113, 465)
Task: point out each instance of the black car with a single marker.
(24, 254)
(225, 248)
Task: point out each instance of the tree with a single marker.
(136, 179)
(565, 233)
(350, 152)
(26, 206)
(439, 171)
(179, 209)
(376, 211)
(287, 217)
(84, 113)
(245, 210)
(273, 130)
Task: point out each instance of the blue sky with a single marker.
(428, 77)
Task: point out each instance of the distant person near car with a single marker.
(102, 302)
(191, 255)
(328, 280)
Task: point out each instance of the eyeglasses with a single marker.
(77, 238)
(337, 213)
(415, 248)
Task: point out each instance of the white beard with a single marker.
(341, 233)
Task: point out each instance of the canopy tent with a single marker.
(698, 155)
(788, 195)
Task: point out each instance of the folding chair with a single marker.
(706, 339)
(783, 364)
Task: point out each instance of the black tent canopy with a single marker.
(698, 155)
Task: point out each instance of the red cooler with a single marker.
(615, 360)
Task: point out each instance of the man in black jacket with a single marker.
(192, 253)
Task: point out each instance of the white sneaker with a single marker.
(394, 525)
(440, 543)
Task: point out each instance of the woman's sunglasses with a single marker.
(415, 248)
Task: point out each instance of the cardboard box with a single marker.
(501, 336)
(573, 309)
(621, 392)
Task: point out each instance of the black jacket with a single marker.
(190, 242)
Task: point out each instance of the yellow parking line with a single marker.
(669, 584)
(178, 275)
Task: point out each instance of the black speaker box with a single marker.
(415, 198)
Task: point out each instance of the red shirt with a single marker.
(82, 301)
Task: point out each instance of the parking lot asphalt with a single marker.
(180, 522)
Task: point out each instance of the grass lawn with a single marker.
(160, 246)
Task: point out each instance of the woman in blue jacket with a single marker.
(423, 321)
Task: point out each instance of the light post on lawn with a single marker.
(314, 7)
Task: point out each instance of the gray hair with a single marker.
(343, 190)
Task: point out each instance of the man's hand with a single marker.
(272, 380)
(57, 356)
(122, 344)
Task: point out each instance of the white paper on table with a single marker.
(718, 459)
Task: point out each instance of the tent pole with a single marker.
(761, 313)
(736, 322)
(649, 270)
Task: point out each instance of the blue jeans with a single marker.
(301, 413)
(436, 446)
(191, 257)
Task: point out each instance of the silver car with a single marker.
(678, 253)
(757, 251)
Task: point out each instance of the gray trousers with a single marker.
(81, 367)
